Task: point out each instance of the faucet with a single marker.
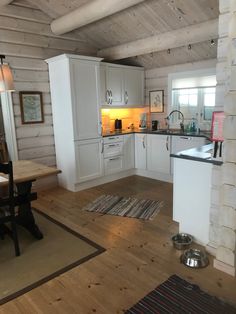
(168, 120)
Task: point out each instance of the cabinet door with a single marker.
(115, 85)
(89, 159)
(180, 143)
(133, 87)
(128, 150)
(85, 90)
(158, 153)
(140, 151)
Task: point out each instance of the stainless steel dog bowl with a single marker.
(194, 258)
(182, 241)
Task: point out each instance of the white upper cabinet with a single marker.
(114, 84)
(133, 87)
(75, 92)
(121, 86)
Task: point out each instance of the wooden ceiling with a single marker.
(146, 19)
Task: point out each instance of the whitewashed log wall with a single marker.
(223, 211)
(26, 40)
(157, 79)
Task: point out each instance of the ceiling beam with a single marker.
(178, 38)
(5, 2)
(88, 13)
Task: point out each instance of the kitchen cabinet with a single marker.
(113, 154)
(89, 160)
(75, 95)
(158, 153)
(180, 143)
(121, 86)
(133, 87)
(128, 151)
(141, 151)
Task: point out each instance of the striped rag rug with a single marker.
(125, 206)
(178, 296)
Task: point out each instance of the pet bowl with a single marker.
(194, 258)
(182, 241)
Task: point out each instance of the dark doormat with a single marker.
(60, 250)
(178, 296)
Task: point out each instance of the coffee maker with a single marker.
(143, 121)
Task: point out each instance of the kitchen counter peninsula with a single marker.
(192, 179)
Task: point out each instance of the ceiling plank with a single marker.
(5, 2)
(181, 37)
(88, 13)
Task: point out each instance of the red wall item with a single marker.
(217, 126)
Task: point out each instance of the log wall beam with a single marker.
(178, 38)
(88, 13)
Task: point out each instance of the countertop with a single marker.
(159, 132)
(202, 154)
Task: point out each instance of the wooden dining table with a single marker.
(24, 173)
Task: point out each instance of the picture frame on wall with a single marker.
(156, 101)
(31, 106)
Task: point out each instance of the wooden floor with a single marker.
(139, 255)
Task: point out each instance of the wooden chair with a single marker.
(7, 207)
(4, 157)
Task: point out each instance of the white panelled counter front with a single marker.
(192, 191)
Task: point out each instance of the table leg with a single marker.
(25, 216)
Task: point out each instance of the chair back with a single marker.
(7, 168)
(4, 156)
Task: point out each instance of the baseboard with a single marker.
(154, 175)
(103, 180)
(211, 249)
(224, 267)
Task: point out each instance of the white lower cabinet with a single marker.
(113, 164)
(141, 151)
(113, 154)
(89, 159)
(158, 156)
(128, 151)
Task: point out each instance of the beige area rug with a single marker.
(41, 260)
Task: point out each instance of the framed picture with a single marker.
(156, 100)
(31, 105)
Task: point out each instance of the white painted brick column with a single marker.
(225, 239)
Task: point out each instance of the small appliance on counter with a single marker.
(118, 124)
(155, 125)
(143, 121)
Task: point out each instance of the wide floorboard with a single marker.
(139, 255)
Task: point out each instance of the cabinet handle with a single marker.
(167, 143)
(143, 143)
(185, 138)
(107, 97)
(102, 147)
(112, 145)
(126, 97)
(114, 158)
(110, 97)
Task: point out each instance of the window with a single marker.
(194, 96)
(194, 102)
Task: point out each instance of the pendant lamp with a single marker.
(6, 78)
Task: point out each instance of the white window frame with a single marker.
(182, 75)
(9, 125)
